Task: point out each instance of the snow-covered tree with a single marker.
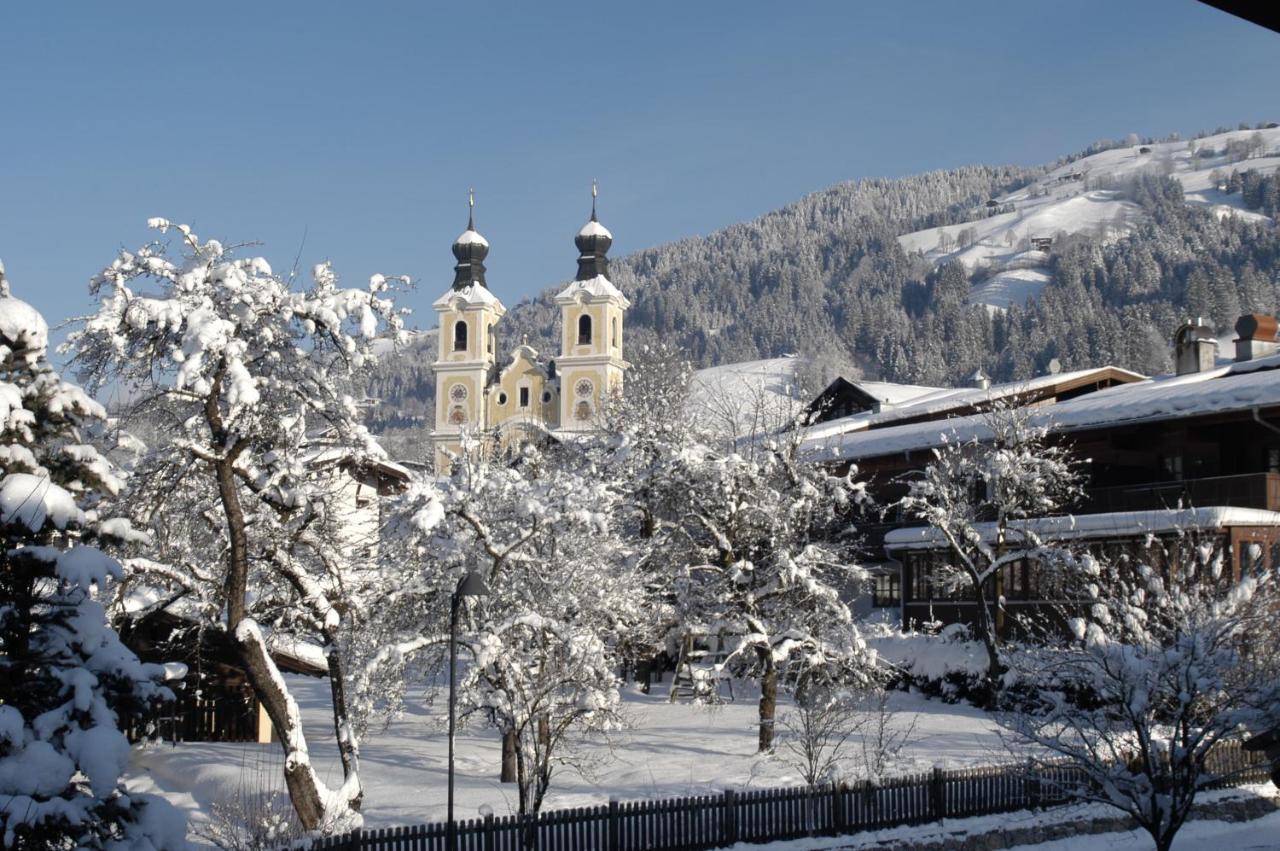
(67, 683)
(975, 494)
(542, 648)
(764, 552)
(250, 378)
(1164, 665)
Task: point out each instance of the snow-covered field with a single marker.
(669, 750)
(1067, 201)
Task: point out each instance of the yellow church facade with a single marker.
(484, 408)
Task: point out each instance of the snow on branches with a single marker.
(1164, 666)
(248, 388)
(767, 549)
(974, 493)
(67, 683)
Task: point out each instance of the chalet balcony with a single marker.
(1250, 490)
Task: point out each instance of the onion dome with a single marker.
(593, 243)
(470, 249)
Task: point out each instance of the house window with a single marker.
(584, 330)
(460, 336)
(1172, 466)
(1273, 459)
(524, 397)
(886, 590)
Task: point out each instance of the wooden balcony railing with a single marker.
(1250, 490)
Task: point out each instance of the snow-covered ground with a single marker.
(1075, 199)
(670, 750)
(1255, 835)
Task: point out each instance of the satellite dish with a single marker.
(1055, 366)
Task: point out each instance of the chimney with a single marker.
(1256, 336)
(1194, 348)
(979, 380)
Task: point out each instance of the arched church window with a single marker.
(584, 330)
(460, 336)
(491, 343)
(615, 332)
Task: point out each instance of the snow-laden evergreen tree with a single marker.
(67, 683)
(763, 553)
(977, 495)
(1164, 664)
(252, 380)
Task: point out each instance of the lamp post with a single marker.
(472, 585)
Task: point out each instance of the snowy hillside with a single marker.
(1083, 197)
(742, 399)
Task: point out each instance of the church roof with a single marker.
(598, 288)
(469, 294)
(470, 249)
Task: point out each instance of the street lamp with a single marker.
(472, 585)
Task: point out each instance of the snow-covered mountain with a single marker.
(1084, 197)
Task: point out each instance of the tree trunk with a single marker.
(508, 757)
(986, 632)
(768, 701)
(299, 777)
(348, 750)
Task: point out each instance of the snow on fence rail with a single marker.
(766, 815)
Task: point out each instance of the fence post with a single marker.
(488, 832)
(837, 808)
(729, 821)
(1032, 786)
(938, 794)
(614, 832)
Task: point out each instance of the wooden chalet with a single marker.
(1193, 453)
(213, 699)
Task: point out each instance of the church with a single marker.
(528, 398)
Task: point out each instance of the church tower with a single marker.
(467, 346)
(590, 365)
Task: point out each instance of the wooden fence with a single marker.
(201, 712)
(717, 821)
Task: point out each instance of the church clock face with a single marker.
(583, 388)
(458, 392)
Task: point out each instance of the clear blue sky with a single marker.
(363, 124)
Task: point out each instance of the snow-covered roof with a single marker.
(594, 228)
(889, 393)
(1108, 525)
(1237, 387)
(935, 402)
(471, 237)
(468, 295)
(598, 288)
